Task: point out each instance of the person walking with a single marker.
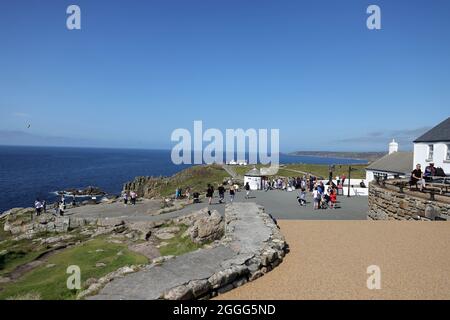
(133, 196)
(247, 190)
(232, 193)
(125, 198)
(209, 193)
(62, 207)
(221, 190)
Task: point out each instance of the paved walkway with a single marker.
(281, 204)
(149, 284)
(329, 260)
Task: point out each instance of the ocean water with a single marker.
(27, 173)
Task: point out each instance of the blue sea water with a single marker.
(27, 173)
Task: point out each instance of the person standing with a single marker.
(133, 197)
(221, 190)
(38, 206)
(247, 190)
(316, 196)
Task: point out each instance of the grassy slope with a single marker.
(196, 178)
(52, 285)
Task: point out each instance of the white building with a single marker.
(434, 147)
(254, 178)
(393, 165)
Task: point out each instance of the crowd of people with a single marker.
(324, 196)
(59, 206)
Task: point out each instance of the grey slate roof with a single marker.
(253, 173)
(440, 133)
(397, 162)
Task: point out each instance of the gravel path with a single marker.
(329, 260)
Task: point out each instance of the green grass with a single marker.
(50, 283)
(18, 253)
(3, 234)
(178, 245)
(197, 178)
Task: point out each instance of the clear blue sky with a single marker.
(140, 69)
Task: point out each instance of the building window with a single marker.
(447, 156)
(430, 152)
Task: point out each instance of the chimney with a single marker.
(393, 146)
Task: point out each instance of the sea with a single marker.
(27, 173)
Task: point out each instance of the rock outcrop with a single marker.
(207, 228)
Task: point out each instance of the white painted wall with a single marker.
(439, 156)
(355, 189)
(254, 182)
(369, 175)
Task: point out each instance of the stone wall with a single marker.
(388, 203)
(257, 252)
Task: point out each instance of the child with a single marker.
(302, 197)
(333, 199)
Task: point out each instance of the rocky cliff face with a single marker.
(146, 187)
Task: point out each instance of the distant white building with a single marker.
(434, 147)
(393, 165)
(238, 163)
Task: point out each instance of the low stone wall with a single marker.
(386, 203)
(258, 251)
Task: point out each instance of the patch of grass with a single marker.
(3, 234)
(179, 245)
(18, 253)
(50, 283)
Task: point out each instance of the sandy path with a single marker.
(329, 260)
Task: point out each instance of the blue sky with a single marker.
(140, 69)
